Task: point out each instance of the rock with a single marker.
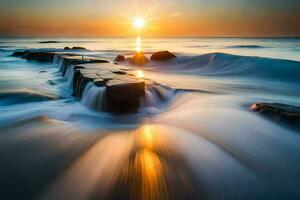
(139, 59)
(123, 95)
(19, 53)
(120, 58)
(75, 48)
(43, 71)
(287, 114)
(120, 72)
(39, 56)
(48, 42)
(162, 56)
(99, 82)
(50, 82)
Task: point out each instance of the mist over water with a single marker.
(194, 136)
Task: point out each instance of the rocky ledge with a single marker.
(141, 59)
(39, 56)
(286, 114)
(123, 90)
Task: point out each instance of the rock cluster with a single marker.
(139, 58)
(123, 91)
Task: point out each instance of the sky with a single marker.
(165, 18)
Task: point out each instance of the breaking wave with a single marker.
(220, 64)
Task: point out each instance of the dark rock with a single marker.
(39, 56)
(120, 72)
(50, 82)
(99, 82)
(123, 95)
(43, 71)
(287, 114)
(79, 48)
(48, 42)
(75, 48)
(120, 58)
(19, 53)
(162, 56)
(139, 59)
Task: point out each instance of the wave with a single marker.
(23, 96)
(247, 46)
(221, 64)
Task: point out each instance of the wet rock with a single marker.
(80, 80)
(39, 56)
(50, 82)
(139, 59)
(43, 71)
(287, 114)
(78, 60)
(106, 75)
(19, 53)
(162, 56)
(123, 95)
(120, 58)
(99, 82)
(119, 72)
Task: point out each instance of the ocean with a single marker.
(202, 142)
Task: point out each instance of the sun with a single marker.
(138, 23)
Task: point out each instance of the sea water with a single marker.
(224, 150)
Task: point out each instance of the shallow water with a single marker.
(201, 142)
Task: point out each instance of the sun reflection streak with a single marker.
(149, 179)
(138, 44)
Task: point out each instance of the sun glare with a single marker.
(139, 73)
(138, 23)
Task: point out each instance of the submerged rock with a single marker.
(287, 114)
(120, 58)
(50, 82)
(162, 56)
(139, 59)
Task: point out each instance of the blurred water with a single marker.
(203, 142)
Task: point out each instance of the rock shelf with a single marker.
(123, 90)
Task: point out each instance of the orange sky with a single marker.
(164, 18)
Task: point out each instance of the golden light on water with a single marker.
(139, 73)
(138, 44)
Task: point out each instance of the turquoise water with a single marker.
(225, 150)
